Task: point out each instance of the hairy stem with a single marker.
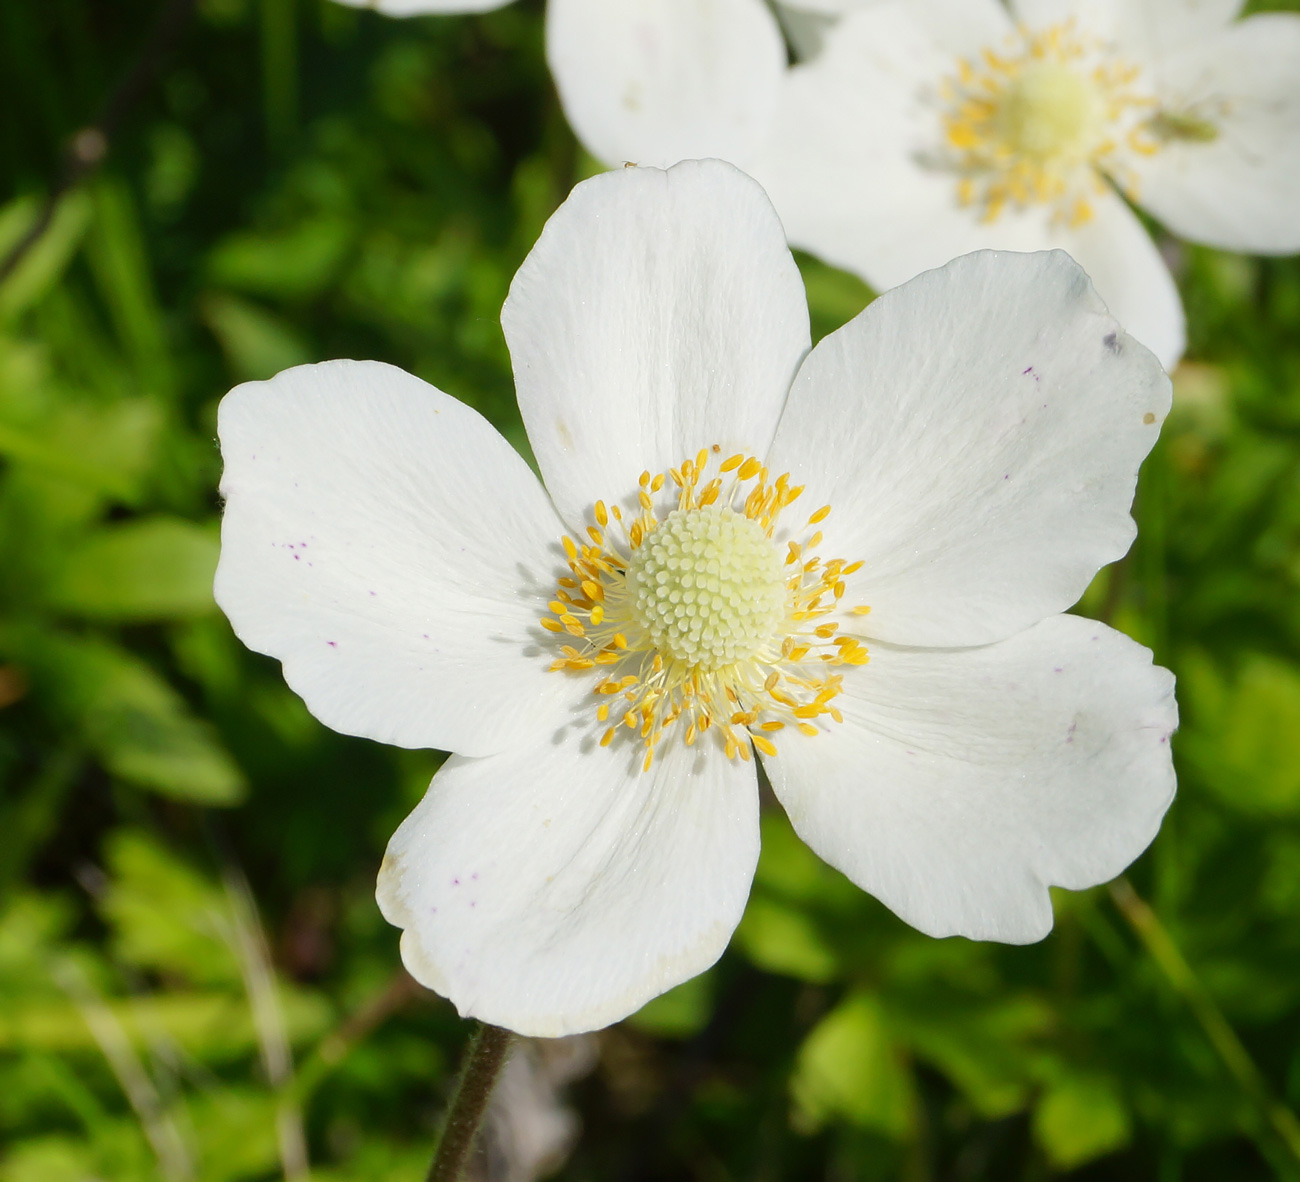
(484, 1058)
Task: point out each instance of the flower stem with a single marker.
(1171, 962)
(484, 1058)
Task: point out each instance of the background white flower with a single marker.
(976, 433)
(653, 81)
(928, 128)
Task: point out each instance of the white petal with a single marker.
(389, 547)
(423, 7)
(1241, 190)
(658, 314)
(556, 888)
(1141, 29)
(977, 433)
(846, 165)
(1130, 275)
(658, 81)
(827, 7)
(963, 783)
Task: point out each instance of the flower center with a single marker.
(698, 620)
(1041, 122)
(708, 587)
(1049, 110)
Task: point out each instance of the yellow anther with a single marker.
(552, 625)
(644, 478)
(731, 463)
(657, 483)
(806, 728)
(766, 746)
(608, 737)
(602, 515)
(821, 515)
(775, 725)
(569, 548)
(749, 468)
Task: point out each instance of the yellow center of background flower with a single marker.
(698, 620)
(1040, 124)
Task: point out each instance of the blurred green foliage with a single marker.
(187, 858)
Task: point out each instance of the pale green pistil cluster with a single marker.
(708, 587)
(1050, 110)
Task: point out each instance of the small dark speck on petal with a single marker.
(1111, 341)
(1058, 669)
(473, 902)
(1148, 418)
(455, 882)
(297, 558)
(474, 877)
(426, 636)
(332, 643)
(1007, 476)
(372, 593)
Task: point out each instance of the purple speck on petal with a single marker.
(297, 558)
(332, 643)
(372, 593)
(455, 882)
(473, 903)
(1007, 476)
(426, 636)
(1058, 669)
(474, 876)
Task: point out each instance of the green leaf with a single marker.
(1079, 1119)
(850, 1069)
(783, 938)
(155, 569)
(293, 264)
(1246, 737)
(165, 915)
(45, 261)
(257, 344)
(132, 719)
(679, 1013)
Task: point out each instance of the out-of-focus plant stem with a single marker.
(1181, 976)
(88, 148)
(484, 1058)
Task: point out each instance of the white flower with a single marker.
(720, 509)
(654, 81)
(928, 128)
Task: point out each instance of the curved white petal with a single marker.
(393, 551)
(658, 81)
(425, 7)
(1130, 275)
(658, 314)
(556, 888)
(1239, 190)
(1142, 29)
(963, 783)
(977, 433)
(851, 165)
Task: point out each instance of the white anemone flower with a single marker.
(850, 562)
(929, 128)
(653, 81)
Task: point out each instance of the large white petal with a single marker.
(658, 81)
(393, 551)
(1130, 275)
(851, 163)
(658, 314)
(1141, 29)
(556, 888)
(963, 783)
(977, 433)
(1241, 190)
(425, 7)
